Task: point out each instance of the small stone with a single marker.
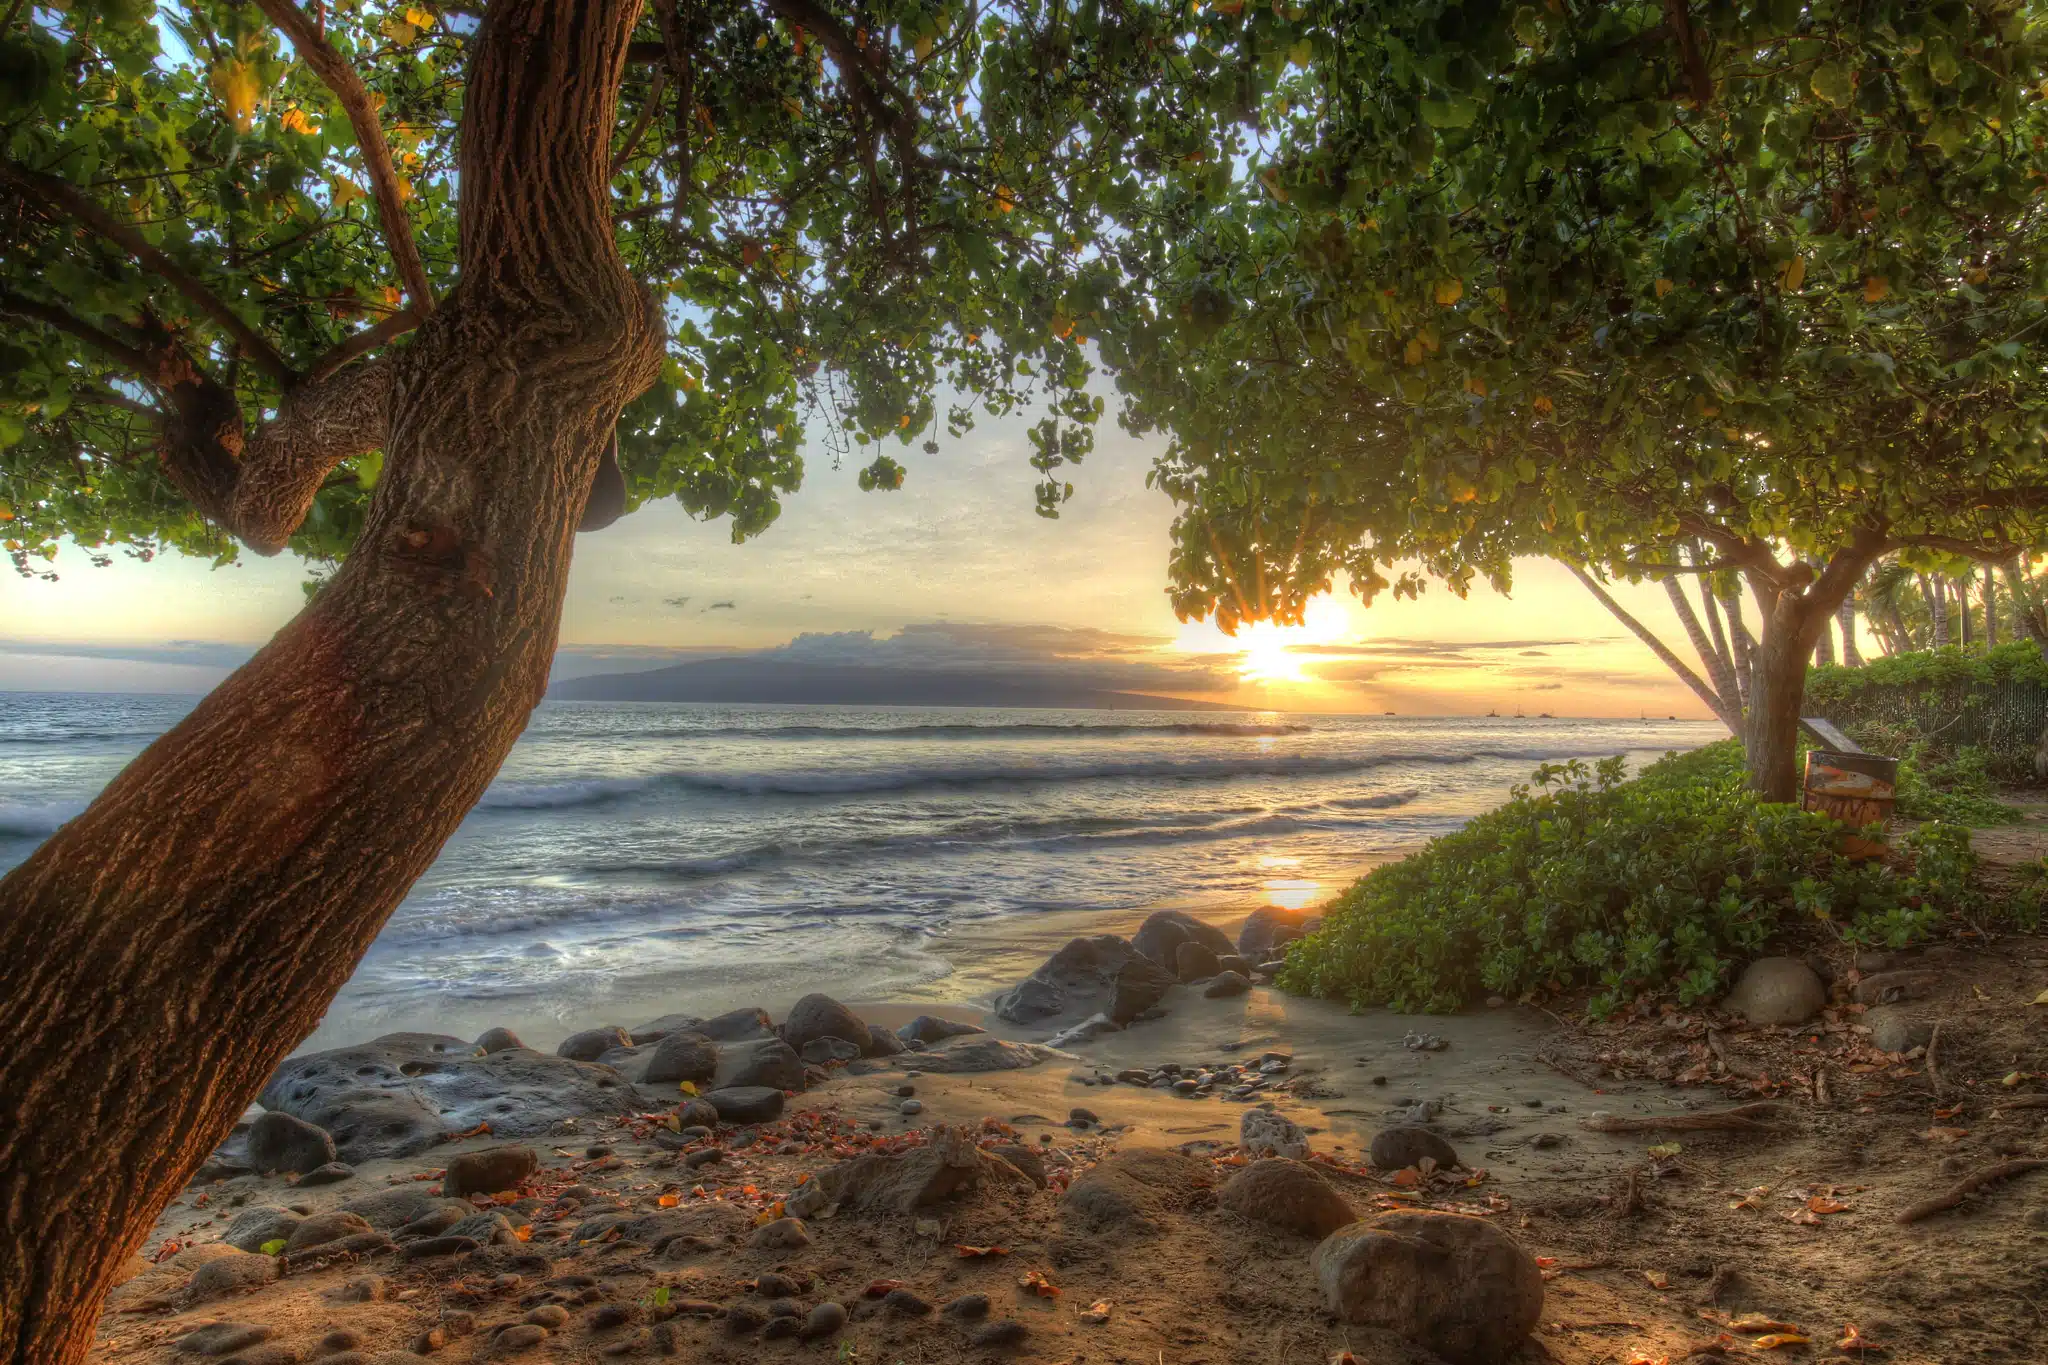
(333, 1173)
(598, 1150)
(429, 1341)
(666, 1338)
(280, 1142)
(593, 1043)
(497, 1040)
(1379, 1080)
(784, 1234)
(322, 1228)
(489, 1171)
(458, 1323)
(1396, 1148)
(1262, 1132)
(641, 1340)
(910, 1107)
(1895, 1029)
(1186, 1086)
(1024, 1159)
(1777, 990)
(612, 1315)
(253, 1228)
(518, 1337)
(907, 1303)
(1450, 1283)
(1078, 1117)
(1494, 1002)
(1132, 1076)
(825, 1320)
(742, 1318)
(695, 1113)
(708, 1156)
(1008, 1332)
(223, 1338)
(340, 1339)
(369, 1289)
(1545, 1141)
(967, 1306)
(1287, 1194)
(777, 1286)
(746, 1104)
(904, 1092)
(549, 1315)
(1225, 985)
(781, 1326)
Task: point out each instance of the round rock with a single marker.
(746, 1104)
(825, 1320)
(1225, 985)
(497, 1040)
(1777, 991)
(1193, 961)
(1265, 1133)
(1450, 1283)
(279, 1142)
(593, 1043)
(489, 1171)
(1395, 1148)
(1893, 1029)
(1289, 1195)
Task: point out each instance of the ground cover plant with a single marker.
(1587, 878)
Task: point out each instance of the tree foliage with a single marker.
(877, 220)
(1589, 280)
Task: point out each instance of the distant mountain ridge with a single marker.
(780, 679)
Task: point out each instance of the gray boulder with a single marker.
(592, 1043)
(820, 1016)
(1448, 1282)
(654, 1030)
(1777, 990)
(681, 1056)
(825, 1051)
(280, 1142)
(1104, 974)
(738, 1026)
(984, 1053)
(747, 1104)
(488, 1171)
(1194, 961)
(1893, 1029)
(1160, 936)
(765, 1061)
(1270, 928)
(930, 1028)
(392, 1209)
(402, 1093)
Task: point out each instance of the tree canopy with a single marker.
(876, 219)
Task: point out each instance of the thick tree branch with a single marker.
(65, 321)
(333, 70)
(1730, 717)
(866, 77)
(62, 197)
(1740, 552)
(1994, 553)
(1719, 675)
(1678, 19)
(358, 343)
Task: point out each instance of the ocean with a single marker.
(638, 858)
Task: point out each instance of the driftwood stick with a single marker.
(1741, 1119)
(1968, 1186)
(1933, 1067)
(2022, 1102)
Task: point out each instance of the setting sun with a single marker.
(1269, 653)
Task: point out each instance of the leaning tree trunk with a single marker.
(1793, 617)
(1852, 657)
(160, 954)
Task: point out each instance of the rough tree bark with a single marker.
(1823, 644)
(1852, 657)
(1796, 604)
(160, 954)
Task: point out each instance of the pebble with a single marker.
(903, 1301)
(340, 1339)
(633, 1345)
(548, 1315)
(429, 1341)
(904, 1092)
(1008, 1332)
(743, 1318)
(784, 1234)
(519, 1336)
(459, 1324)
(710, 1156)
(779, 1327)
(1186, 1087)
(1545, 1141)
(1131, 1076)
(370, 1289)
(909, 1107)
(1081, 1118)
(610, 1316)
(825, 1320)
(597, 1149)
(223, 1338)
(967, 1306)
(913, 1074)
(665, 1338)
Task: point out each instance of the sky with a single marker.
(957, 551)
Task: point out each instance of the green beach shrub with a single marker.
(1662, 882)
(1957, 790)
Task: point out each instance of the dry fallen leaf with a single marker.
(669, 1201)
(1657, 1279)
(1853, 1340)
(1820, 1203)
(881, 1287)
(1408, 1177)
(1945, 1134)
(1033, 1282)
(1757, 1322)
(1096, 1313)
(1949, 1112)
(1777, 1339)
(966, 1251)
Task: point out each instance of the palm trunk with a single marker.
(176, 941)
(1990, 607)
(1723, 708)
(1962, 586)
(1937, 610)
(1824, 645)
(1852, 657)
(1743, 644)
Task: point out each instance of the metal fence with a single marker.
(2003, 719)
